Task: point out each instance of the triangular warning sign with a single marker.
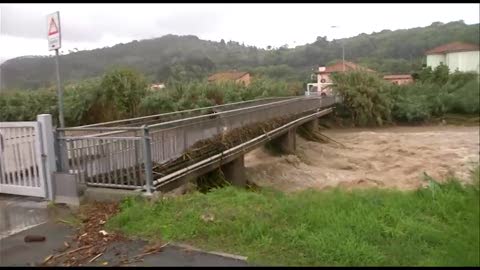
(52, 29)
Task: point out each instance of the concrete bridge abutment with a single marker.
(311, 126)
(286, 143)
(234, 172)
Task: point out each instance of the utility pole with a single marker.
(59, 91)
(55, 43)
(343, 51)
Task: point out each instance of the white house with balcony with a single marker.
(459, 56)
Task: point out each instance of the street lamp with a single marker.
(343, 50)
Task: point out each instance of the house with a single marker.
(399, 78)
(323, 73)
(459, 56)
(236, 76)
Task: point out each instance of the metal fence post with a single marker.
(147, 154)
(56, 147)
(45, 121)
(63, 151)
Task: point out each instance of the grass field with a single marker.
(435, 226)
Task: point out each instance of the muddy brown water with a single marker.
(394, 157)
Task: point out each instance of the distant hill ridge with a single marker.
(387, 51)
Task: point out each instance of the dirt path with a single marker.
(388, 157)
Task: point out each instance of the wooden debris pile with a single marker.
(90, 240)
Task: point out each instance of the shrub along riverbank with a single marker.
(368, 99)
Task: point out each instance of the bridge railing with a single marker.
(171, 139)
(125, 157)
(170, 116)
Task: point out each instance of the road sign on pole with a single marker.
(54, 36)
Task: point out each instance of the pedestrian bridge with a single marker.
(161, 152)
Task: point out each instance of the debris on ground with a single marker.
(151, 249)
(90, 240)
(34, 238)
(207, 217)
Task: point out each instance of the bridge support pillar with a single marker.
(311, 126)
(287, 141)
(234, 172)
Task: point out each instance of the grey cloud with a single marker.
(21, 22)
(89, 24)
(190, 22)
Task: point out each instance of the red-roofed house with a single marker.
(239, 77)
(456, 55)
(323, 73)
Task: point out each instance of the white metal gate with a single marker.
(22, 163)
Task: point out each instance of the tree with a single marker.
(125, 87)
(365, 95)
(440, 74)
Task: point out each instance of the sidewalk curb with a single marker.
(222, 254)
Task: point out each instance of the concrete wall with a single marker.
(321, 85)
(461, 61)
(464, 61)
(434, 60)
(325, 76)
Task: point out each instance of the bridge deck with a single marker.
(125, 156)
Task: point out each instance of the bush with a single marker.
(366, 95)
(83, 104)
(464, 99)
(182, 96)
(422, 100)
(126, 87)
(369, 100)
(25, 105)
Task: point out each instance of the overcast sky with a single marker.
(23, 27)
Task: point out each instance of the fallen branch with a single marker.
(330, 139)
(94, 258)
(72, 251)
(48, 259)
(64, 221)
(151, 252)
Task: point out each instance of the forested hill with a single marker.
(188, 57)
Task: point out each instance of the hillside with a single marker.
(188, 57)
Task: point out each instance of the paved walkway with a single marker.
(33, 217)
(19, 213)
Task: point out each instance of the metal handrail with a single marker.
(179, 112)
(227, 112)
(116, 130)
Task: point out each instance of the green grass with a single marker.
(435, 226)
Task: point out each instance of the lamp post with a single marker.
(343, 51)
